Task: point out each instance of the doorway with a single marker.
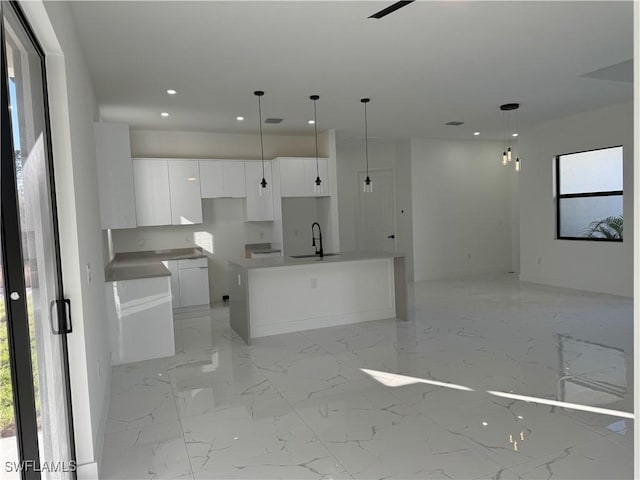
(36, 428)
(376, 212)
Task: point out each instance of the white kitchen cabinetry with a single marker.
(211, 179)
(184, 185)
(233, 172)
(167, 192)
(292, 177)
(153, 200)
(115, 175)
(194, 282)
(259, 205)
(298, 175)
(189, 282)
(222, 178)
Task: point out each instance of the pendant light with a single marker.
(263, 183)
(317, 184)
(507, 154)
(368, 185)
(504, 138)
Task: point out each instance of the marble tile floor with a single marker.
(352, 403)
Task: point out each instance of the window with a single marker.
(589, 195)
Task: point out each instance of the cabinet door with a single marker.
(194, 286)
(292, 177)
(151, 183)
(115, 175)
(311, 173)
(234, 178)
(184, 182)
(211, 179)
(259, 205)
(172, 265)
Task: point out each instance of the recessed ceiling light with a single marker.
(171, 91)
(514, 134)
(164, 114)
(476, 133)
(311, 122)
(239, 118)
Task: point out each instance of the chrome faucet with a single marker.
(319, 251)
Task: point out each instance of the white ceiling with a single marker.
(426, 64)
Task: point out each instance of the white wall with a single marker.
(153, 143)
(404, 204)
(584, 265)
(462, 212)
(298, 214)
(73, 109)
(383, 154)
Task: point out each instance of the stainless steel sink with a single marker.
(311, 256)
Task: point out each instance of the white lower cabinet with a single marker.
(194, 286)
(189, 282)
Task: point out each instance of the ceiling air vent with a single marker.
(454, 124)
(273, 120)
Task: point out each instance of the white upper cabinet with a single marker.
(292, 177)
(211, 179)
(298, 175)
(222, 178)
(153, 200)
(259, 206)
(234, 184)
(115, 175)
(184, 185)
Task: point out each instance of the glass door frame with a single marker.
(14, 277)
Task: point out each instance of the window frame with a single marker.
(560, 196)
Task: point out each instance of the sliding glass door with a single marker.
(37, 319)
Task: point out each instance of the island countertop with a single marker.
(146, 264)
(271, 262)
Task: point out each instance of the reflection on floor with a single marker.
(335, 402)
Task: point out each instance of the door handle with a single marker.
(63, 309)
(391, 236)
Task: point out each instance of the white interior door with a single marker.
(376, 212)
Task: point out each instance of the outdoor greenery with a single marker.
(7, 422)
(609, 228)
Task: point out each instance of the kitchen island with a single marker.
(277, 295)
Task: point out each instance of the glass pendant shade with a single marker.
(504, 158)
(509, 154)
(517, 164)
(367, 186)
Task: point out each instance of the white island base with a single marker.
(279, 295)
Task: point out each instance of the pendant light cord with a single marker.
(261, 143)
(366, 138)
(504, 131)
(315, 127)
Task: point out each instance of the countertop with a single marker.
(147, 264)
(271, 262)
(260, 248)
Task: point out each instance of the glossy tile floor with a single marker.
(352, 402)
